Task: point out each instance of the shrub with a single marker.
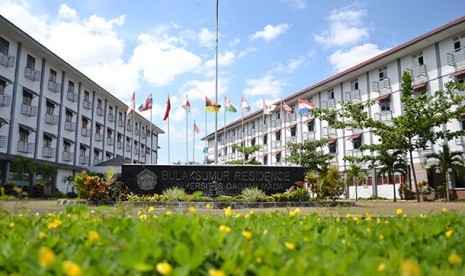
(405, 192)
(174, 194)
(253, 194)
(299, 194)
(79, 182)
(97, 188)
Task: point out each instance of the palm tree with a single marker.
(390, 163)
(355, 173)
(446, 162)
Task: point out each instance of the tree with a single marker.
(356, 173)
(390, 162)
(411, 130)
(22, 166)
(309, 154)
(447, 161)
(246, 151)
(48, 172)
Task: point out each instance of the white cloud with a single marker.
(345, 28)
(293, 64)
(265, 86)
(297, 4)
(270, 32)
(224, 59)
(197, 89)
(206, 37)
(342, 60)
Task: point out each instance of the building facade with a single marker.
(433, 59)
(52, 113)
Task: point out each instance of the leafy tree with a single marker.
(309, 155)
(356, 173)
(22, 165)
(445, 160)
(48, 172)
(330, 185)
(246, 151)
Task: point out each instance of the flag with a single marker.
(168, 108)
(229, 106)
(305, 106)
(211, 106)
(245, 105)
(132, 104)
(147, 104)
(196, 128)
(286, 108)
(187, 106)
(268, 108)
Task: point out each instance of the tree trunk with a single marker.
(393, 185)
(417, 192)
(356, 188)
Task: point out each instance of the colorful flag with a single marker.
(147, 105)
(211, 106)
(168, 108)
(268, 108)
(229, 106)
(245, 105)
(286, 108)
(305, 106)
(187, 106)
(132, 104)
(196, 128)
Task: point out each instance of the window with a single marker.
(385, 105)
(332, 120)
(278, 136)
(4, 46)
(330, 94)
(66, 146)
(354, 85)
(49, 108)
(332, 147)
(265, 139)
(278, 115)
(417, 59)
(71, 86)
(357, 142)
(265, 160)
(27, 98)
(98, 128)
(86, 95)
(293, 131)
(2, 87)
(82, 151)
(84, 122)
(110, 110)
(69, 116)
(96, 153)
(382, 73)
(120, 116)
(252, 142)
(109, 133)
(47, 141)
(278, 157)
(30, 62)
(311, 126)
(458, 42)
(52, 77)
(23, 135)
(120, 138)
(99, 103)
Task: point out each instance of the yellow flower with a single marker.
(139, 212)
(381, 267)
(208, 206)
(42, 235)
(378, 220)
(143, 217)
(289, 245)
(297, 210)
(292, 214)
(93, 236)
(259, 260)
(11, 225)
(224, 229)
(338, 219)
(71, 268)
(54, 224)
(192, 209)
(247, 234)
(265, 232)
(215, 272)
(399, 212)
(348, 215)
(444, 209)
(168, 213)
(164, 268)
(150, 209)
(367, 217)
(410, 268)
(449, 234)
(381, 237)
(368, 229)
(227, 211)
(46, 257)
(454, 259)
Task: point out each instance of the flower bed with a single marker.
(79, 241)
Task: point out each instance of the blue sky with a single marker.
(268, 49)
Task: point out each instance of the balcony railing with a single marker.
(98, 137)
(54, 87)
(120, 123)
(71, 96)
(119, 145)
(329, 132)
(5, 100)
(87, 104)
(456, 59)
(29, 110)
(68, 156)
(51, 119)
(110, 141)
(25, 147)
(97, 160)
(83, 159)
(419, 73)
(99, 111)
(276, 123)
(7, 61)
(2, 141)
(128, 148)
(293, 118)
(85, 132)
(262, 127)
(353, 96)
(382, 86)
(48, 152)
(276, 144)
(129, 128)
(384, 116)
(251, 131)
(355, 153)
(309, 135)
(32, 74)
(330, 103)
(111, 117)
(70, 126)
(143, 154)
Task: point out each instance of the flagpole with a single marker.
(285, 134)
(193, 144)
(216, 87)
(263, 128)
(187, 137)
(151, 140)
(301, 141)
(132, 136)
(224, 127)
(205, 152)
(242, 135)
(169, 149)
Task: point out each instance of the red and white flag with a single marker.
(132, 104)
(196, 128)
(286, 108)
(187, 106)
(245, 105)
(168, 108)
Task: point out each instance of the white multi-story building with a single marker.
(433, 59)
(52, 113)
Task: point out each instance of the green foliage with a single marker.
(246, 151)
(174, 194)
(405, 192)
(330, 185)
(252, 194)
(309, 154)
(110, 175)
(79, 182)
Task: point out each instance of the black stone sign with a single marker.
(222, 180)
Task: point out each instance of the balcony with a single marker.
(293, 118)
(309, 135)
(51, 119)
(87, 104)
(353, 96)
(329, 104)
(97, 160)
(276, 123)
(7, 61)
(418, 73)
(71, 96)
(292, 139)
(2, 141)
(120, 123)
(143, 135)
(329, 132)
(31, 74)
(384, 116)
(382, 86)
(111, 117)
(29, 110)
(136, 132)
(85, 132)
(98, 137)
(251, 132)
(276, 144)
(355, 153)
(68, 156)
(69, 126)
(110, 141)
(99, 111)
(54, 87)
(129, 128)
(48, 152)
(262, 128)
(83, 159)
(143, 154)
(5, 100)
(456, 59)
(25, 147)
(128, 148)
(119, 145)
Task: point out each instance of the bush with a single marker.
(299, 194)
(174, 194)
(253, 194)
(405, 192)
